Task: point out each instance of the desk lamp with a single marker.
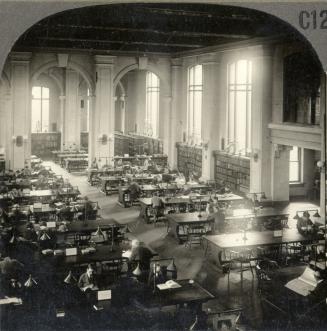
(30, 282)
(70, 279)
(172, 269)
(137, 271)
(45, 236)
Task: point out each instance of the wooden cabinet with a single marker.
(234, 170)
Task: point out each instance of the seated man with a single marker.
(135, 190)
(157, 206)
(87, 280)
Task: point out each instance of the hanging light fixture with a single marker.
(70, 279)
(31, 282)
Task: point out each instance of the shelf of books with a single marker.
(189, 158)
(43, 143)
(233, 170)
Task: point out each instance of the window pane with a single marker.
(36, 92)
(294, 172)
(45, 115)
(36, 115)
(231, 118)
(45, 93)
(242, 72)
(241, 120)
(294, 154)
(231, 73)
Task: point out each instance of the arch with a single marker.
(163, 83)
(122, 88)
(5, 81)
(71, 65)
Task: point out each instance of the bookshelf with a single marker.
(43, 143)
(136, 144)
(234, 170)
(189, 158)
(84, 141)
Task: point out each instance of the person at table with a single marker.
(94, 164)
(135, 190)
(87, 280)
(15, 215)
(305, 225)
(27, 172)
(11, 268)
(157, 205)
(30, 233)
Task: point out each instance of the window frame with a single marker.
(152, 89)
(194, 114)
(299, 161)
(41, 99)
(235, 87)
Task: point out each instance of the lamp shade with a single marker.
(13, 240)
(137, 271)
(30, 282)
(172, 267)
(296, 217)
(44, 237)
(70, 279)
(99, 232)
(316, 214)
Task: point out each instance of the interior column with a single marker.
(72, 110)
(176, 132)
(62, 99)
(210, 115)
(260, 163)
(21, 110)
(104, 124)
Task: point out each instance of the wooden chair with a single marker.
(82, 239)
(242, 261)
(194, 235)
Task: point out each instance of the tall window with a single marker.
(295, 165)
(40, 109)
(239, 105)
(194, 103)
(152, 104)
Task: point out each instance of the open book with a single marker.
(168, 285)
(304, 284)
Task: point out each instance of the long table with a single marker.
(258, 218)
(236, 241)
(179, 223)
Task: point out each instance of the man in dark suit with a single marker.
(87, 280)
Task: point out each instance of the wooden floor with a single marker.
(190, 262)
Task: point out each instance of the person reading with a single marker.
(87, 280)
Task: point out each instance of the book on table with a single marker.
(304, 284)
(169, 284)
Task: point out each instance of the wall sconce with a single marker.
(205, 145)
(254, 154)
(25, 139)
(103, 138)
(321, 165)
(13, 139)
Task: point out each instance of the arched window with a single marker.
(239, 105)
(194, 103)
(40, 109)
(152, 104)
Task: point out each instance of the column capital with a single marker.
(176, 63)
(210, 59)
(20, 57)
(106, 61)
